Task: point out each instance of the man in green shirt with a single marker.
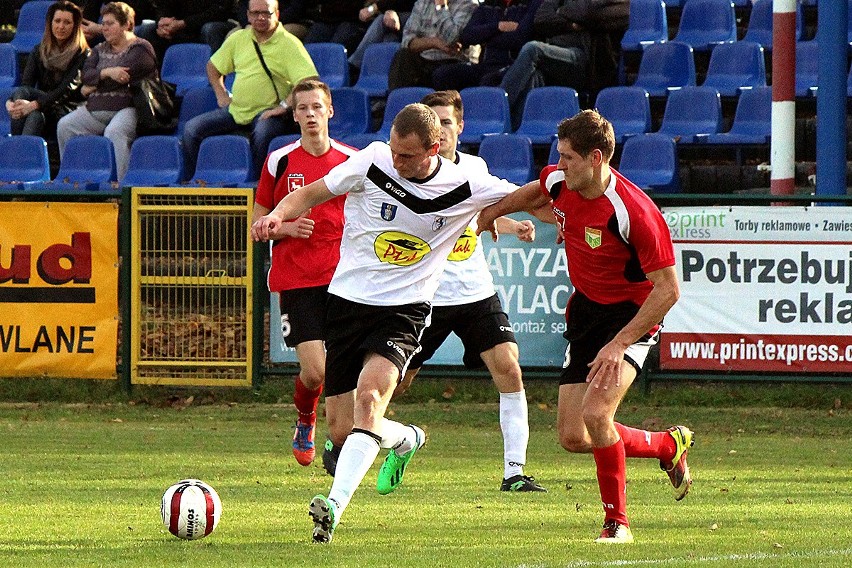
(266, 61)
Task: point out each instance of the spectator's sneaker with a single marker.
(392, 470)
(615, 533)
(303, 440)
(521, 483)
(329, 456)
(678, 469)
(324, 514)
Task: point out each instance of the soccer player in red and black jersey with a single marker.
(621, 263)
(304, 260)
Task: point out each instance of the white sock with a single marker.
(516, 432)
(399, 437)
(358, 453)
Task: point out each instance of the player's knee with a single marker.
(573, 443)
(312, 377)
(596, 419)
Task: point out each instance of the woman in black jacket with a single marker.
(50, 86)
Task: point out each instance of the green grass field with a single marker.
(81, 486)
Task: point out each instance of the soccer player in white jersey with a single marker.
(406, 207)
(467, 304)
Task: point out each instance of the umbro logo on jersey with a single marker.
(593, 237)
(388, 211)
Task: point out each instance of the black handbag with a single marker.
(156, 106)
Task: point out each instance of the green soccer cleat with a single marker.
(324, 514)
(678, 470)
(393, 468)
(521, 484)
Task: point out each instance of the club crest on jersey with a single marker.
(593, 237)
(400, 249)
(464, 247)
(439, 223)
(388, 211)
(295, 181)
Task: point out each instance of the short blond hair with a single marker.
(421, 120)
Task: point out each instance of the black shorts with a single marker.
(590, 327)
(480, 326)
(357, 329)
(303, 314)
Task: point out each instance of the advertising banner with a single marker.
(762, 289)
(58, 289)
(532, 282)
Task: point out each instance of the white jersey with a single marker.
(466, 278)
(398, 233)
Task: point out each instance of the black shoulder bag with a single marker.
(156, 106)
(265, 68)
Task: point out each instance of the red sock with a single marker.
(644, 444)
(612, 481)
(305, 399)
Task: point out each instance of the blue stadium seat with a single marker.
(373, 78)
(8, 66)
(627, 108)
(553, 156)
(331, 63)
(760, 24)
(544, 108)
(223, 161)
(650, 161)
(23, 160)
(509, 156)
(5, 119)
(486, 111)
(154, 160)
(281, 141)
(185, 65)
(361, 141)
(88, 162)
(752, 120)
(351, 112)
(736, 66)
(195, 101)
(30, 28)
(396, 100)
(648, 24)
(691, 111)
(807, 68)
(665, 66)
(707, 23)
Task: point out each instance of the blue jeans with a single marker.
(540, 64)
(33, 123)
(220, 121)
(376, 33)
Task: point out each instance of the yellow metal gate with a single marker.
(191, 274)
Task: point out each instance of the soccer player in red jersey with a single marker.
(621, 263)
(304, 260)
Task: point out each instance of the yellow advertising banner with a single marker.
(58, 289)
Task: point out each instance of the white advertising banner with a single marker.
(762, 289)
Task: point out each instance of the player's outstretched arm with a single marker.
(526, 198)
(293, 205)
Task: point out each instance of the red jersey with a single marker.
(303, 263)
(612, 241)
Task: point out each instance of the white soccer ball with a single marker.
(191, 509)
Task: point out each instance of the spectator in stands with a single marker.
(388, 18)
(52, 80)
(335, 22)
(501, 28)
(267, 61)
(566, 30)
(430, 39)
(188, 21)
(121, 59)
(143, 9)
